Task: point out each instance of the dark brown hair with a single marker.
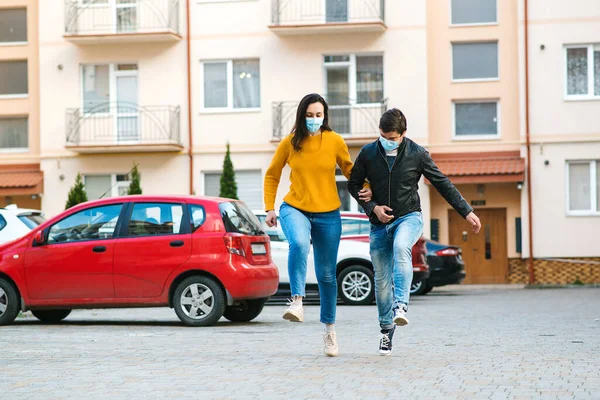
(300, 130)
(393, 121)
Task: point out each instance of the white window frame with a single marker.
(590, 95)
(115, 185)
(594, 211)
(496, 79)
(18, 95)
(473, 23)
(113, 74)
(229, 108)
(12, 150)
(21, 43)
(498, 136)
(351, 64)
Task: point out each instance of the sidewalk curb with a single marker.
(557, 286)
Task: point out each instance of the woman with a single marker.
(311, 208)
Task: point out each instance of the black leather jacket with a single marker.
(397, 187)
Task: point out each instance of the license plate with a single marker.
(259, 249)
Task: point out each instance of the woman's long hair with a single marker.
(300, 130)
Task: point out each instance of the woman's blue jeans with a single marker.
(325, 229)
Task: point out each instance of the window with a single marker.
(13, 25)
(233, 84)
(476, 120)
(32, 220)
(275, 233)
(2, 222)
(155, 219)
(14, 80)
(101, 186)
(91, 224)
(583, 72)
(237, 218)
(347, 201)
(354, 79)
(475, 61)
(112, 83)
(14, 134)
(473, 12)
(353, 227)
(583, 187)
(249, 186)
(197, 216)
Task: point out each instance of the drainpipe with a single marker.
(189, 95)
(528, 140)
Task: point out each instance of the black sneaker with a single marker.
(385, 343)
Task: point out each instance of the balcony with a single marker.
(123, 21)
(306, 17)
(357, 123)
(123, 127)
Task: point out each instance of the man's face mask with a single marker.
(313, 124)
(388, 145)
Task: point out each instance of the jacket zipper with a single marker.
(389, 174)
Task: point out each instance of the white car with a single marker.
(354, 268)
(16, 222)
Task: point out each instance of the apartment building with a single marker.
(21, 179)
(564, 126)
(113, 94)
(250, 73)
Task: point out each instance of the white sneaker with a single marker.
(295, 312)
(331, 347)
(400, 317)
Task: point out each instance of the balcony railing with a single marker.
(358, 122)
(122, 126)
(328, 14)
(151, 18)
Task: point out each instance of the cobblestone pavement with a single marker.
(460, 344)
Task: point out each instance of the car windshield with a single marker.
(31, 220)
(275, 233)
(238, 218)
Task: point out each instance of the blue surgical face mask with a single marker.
(388, 145)
(313, 124)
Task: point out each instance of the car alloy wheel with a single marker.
(356, 286)
(3, 302)
(197, 301)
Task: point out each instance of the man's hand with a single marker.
(474, 221)
(365, 194)
(271, 219)
(380, 211)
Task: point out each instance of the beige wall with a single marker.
(291, 67)
(162, 81)
(25, 106)
(442, 91)
(496, 195)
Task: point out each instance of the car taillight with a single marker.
(447, 252)
(234, 244)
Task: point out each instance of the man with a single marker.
(393, 165)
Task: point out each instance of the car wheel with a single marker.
(419, 288)
(429, 288)
(51, 316)
(9, 302)
(199, 301)
(356, 285)
(245, 311)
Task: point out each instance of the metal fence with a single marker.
(122, 123)
(308, 12)
(351, 120)
(97, 17)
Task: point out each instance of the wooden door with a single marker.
(485, 254)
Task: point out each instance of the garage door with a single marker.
(249, 185)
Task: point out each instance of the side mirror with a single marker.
(38, 239)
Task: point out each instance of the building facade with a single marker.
(21, 178)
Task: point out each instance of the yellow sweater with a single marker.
(313, 186)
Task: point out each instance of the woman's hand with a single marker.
(365, 194)
(271, 219)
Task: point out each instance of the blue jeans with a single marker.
(391, 253)
(325, 230)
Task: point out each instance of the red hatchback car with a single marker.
(204, 257)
